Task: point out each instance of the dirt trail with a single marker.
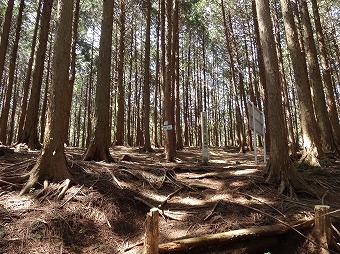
(104, 210)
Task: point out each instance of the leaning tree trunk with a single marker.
(100, 144)
(52, 164)
(281, 170)
(239, 121)
(320, 107)
(311, 137)
(327, 78)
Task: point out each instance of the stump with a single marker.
(323, 230)
(151, 238)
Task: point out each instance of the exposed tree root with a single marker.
(289, 181)
(14, 180)
(54, 190)
(51, 166)
(97, 153)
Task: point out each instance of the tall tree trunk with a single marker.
(239, 122)
(101, 141)
(320, 108)
(30, 132)
(281, 170)
(121, 90)
(241, 89)
(176, 95)
(14, 110)
(293, 145)
(12, 65)
(327, 78)
(45, 99)
(167, 89)
(28, 75)
(52, 164)
(129, 124)
(186, 95)
(68, 99)
(157, 83)
(262, 78)
(311, 138)
(88, 98)
(4, 37)
(146, 90)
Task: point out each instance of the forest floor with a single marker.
(105, 209)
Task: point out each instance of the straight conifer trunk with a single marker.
(12, 66)
(146, 91)
(30, 132)
(167, 88)
(310, 131)
(320, 108)
(4, 37)
(28, 73)
(99, 147)
(121, 92)
(280, 168)
(327, 78)
(52, 164)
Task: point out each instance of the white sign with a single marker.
(256, 124)
(256, 119)
(167, 127)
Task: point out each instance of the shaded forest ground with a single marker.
(104, 210)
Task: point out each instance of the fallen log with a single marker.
(254, 246)
(233, 236)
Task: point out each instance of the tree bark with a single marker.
(68, 99)
(28, 75)
(121, 92)
(157, 83)
(262, 76)
(186, 95)
(320, 108)
(327, 78)
(311, 139)
(146, 90)
(239, 122)
(12, 65)
(45, 99)
(4, 37)
(176, 95)
(167, 88)
(100, 144)
(30, 132)
(52, 164)
(231, 236)
(280, 168)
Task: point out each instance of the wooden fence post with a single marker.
(151, 237)
(323, 230)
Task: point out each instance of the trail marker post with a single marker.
(204, 130)
(256, 123)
